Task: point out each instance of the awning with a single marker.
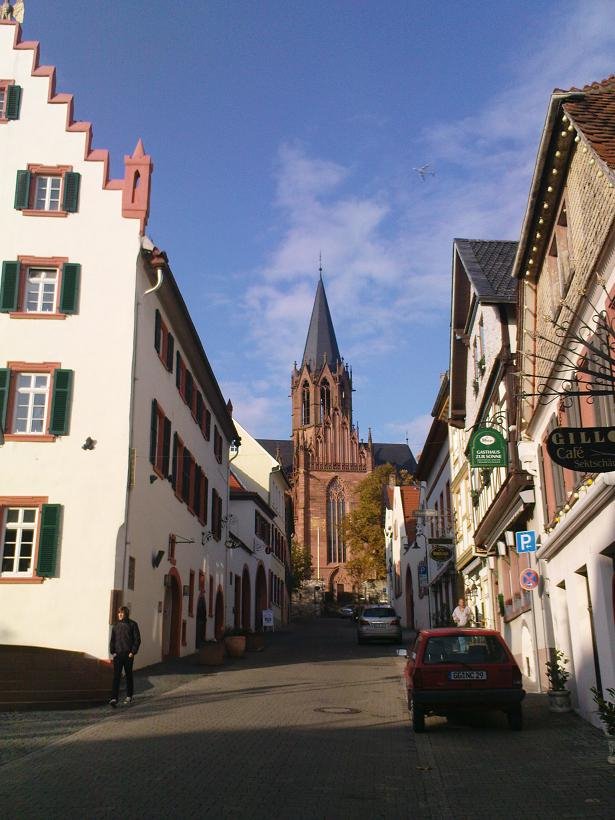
(442, 571)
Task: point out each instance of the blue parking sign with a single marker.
(525, 541)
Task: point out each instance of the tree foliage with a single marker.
(301, 564)
(363, 526)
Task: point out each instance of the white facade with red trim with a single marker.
(116, 507)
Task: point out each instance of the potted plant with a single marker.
(211, 653)
(606, 713)
(235, 642)
(557, 674)
(475, 497)
(255, 641)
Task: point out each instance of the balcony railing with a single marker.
(342, 467)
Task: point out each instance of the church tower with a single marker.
(329, 460)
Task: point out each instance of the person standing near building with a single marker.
(123, 646)
(462, 614)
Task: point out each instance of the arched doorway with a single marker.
(219, 615)
(409, 600)
(260, 596)
(245, 599)
(171, 616)
(201, 621)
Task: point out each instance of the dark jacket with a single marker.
(125, 638)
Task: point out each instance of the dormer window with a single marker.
(51, 191)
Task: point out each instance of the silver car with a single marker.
(378, 622)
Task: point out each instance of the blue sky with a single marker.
(281, 130)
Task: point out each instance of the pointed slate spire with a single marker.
(321, 344)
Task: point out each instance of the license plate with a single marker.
(379, 626)
(467, 675)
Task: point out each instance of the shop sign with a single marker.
(488, 448)
(585, 449)
(440, 553)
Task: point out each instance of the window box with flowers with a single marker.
(475, 494)
(481, 365)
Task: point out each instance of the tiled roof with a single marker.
(594, 115)
(489, 267)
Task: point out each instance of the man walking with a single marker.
(123, 646)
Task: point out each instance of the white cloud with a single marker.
(415, 430)
(387, 253)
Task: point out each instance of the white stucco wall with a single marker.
(71, 610)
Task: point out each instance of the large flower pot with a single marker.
(255, 642)
(211, 654)
(235, 645)
(559, 700)
(611, 741)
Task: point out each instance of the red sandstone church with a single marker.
(325, 458)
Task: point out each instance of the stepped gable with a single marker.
(321, 344)
(89, 154)
(489, 267)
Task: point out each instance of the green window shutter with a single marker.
(13, 102)
(170, 351)
(60, 405)
(157, 331)
(199, 409)
(205, 497)
(196, 493)
(189, 385)
(69, 294)
(70, 198)
(174, 466)
(166, 446)
(22, 190)
(178, 371)
(5, 379)
(9, 287)
(51, 516)
(153, 432)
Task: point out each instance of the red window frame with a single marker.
(29, 367)
(4, 85)
(24, 501)
(27, 262)
(44, 171)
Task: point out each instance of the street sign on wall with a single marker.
(585, 449)
(488, 448)
(525, 541)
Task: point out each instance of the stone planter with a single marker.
(235, 645)
(211, 654)
(559, 700)
(255, 642)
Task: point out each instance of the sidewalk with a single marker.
(24, 732)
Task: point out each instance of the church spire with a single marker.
(321, 344)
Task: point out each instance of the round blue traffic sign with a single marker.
(529, 579)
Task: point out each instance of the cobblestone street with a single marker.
(314, 727)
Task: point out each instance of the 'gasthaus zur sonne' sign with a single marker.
(586, 449)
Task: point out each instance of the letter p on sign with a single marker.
(525, 541)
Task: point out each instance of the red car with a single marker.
(450, 670)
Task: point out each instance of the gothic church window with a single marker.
(336, 508)
(325, 399)
(305, 403)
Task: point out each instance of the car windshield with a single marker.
(380, 612)
(461, 649)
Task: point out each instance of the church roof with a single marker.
(489, 267)
(399, 455)
(321, 344)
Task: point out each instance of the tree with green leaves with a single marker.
(363, 526)
(301, 564)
